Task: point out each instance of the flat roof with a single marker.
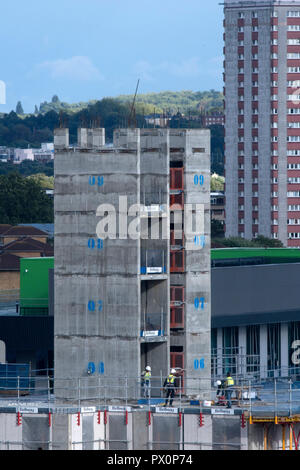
(279, 253)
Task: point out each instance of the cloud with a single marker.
(189, 68)
(76, 68)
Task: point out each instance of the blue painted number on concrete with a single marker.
(199, 180)
(92, 244)
(92, 306)
(199, 364)
(200, 240)
(99, 180)
(199, 302)
(91, 367)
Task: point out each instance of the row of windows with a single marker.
(293, 180)
(290, 153)
(293, 236)
(274, 42)
(293, 221)
(254, 14)
(274, 208)
(293, 14)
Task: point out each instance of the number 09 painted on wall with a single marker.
(199, 180)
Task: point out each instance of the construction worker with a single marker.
(169, 386)
(229, 383)
(146, 382)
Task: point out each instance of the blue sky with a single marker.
(90, 49)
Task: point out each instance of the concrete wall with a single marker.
(97, 289)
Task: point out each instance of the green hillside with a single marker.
(172, 101)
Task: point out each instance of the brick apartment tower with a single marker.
(262, 129)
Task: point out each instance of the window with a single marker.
(293, 55)
(293, 42)
(177, 261)
(241, 29)
(293, 125)
(177, 307)
(293, 138)
(255, 42)
(293, 166)
(254, 70)
(293, 180)
(176, 178)
(293, 83)
(293, 27)
(254, 29)
(294, 111)
(293, 14)
(293, 153)
(241, 15)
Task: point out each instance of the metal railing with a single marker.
(273, 397)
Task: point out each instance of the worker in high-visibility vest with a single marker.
(146, 382)
(229, 383)
(169, 386)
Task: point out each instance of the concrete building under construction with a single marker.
(132, 277)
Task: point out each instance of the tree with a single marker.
(23, 201)
(19, 108)
(36, 110)
(55, 99)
